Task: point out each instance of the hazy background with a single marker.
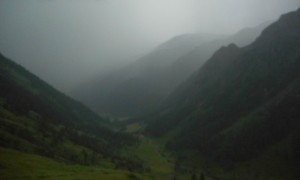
(66, 42)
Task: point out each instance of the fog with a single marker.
(65, 42)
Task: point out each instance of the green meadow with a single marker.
(18, 165)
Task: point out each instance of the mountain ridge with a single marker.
(143, 85)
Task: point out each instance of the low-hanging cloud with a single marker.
(67, 41)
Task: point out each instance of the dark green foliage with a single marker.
(194, 177)
(133, 176)
(242, 102)
(202, 177)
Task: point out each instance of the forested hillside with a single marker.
(38, 119)
(240, 110)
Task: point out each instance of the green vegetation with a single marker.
(237, 118)
(18, 165)
(152, 156)
(45, 134)
(35, 118)
(133, 128)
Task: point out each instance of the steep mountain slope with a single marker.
(241, 106)
(194, 59)
(36, 118)
(186, 65)
(141, 86)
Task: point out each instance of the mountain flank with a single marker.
(35, 118)
(239, 111)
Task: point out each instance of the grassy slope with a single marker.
(152, 153)
(18, 165)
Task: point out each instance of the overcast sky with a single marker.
(66, 41)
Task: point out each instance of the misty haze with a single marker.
(149, 89)
(66, 42)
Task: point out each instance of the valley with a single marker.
(19, 165)
(199, 106)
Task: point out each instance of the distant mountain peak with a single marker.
(226, 52)
(231, 46)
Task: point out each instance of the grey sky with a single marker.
(66, 41)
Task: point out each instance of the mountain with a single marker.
(138, 86)
(186, 65)
(195, 58)
(37, 119)
(239, 111)
(144, 84)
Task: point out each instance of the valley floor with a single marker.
(19, 165)
(161, 164)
